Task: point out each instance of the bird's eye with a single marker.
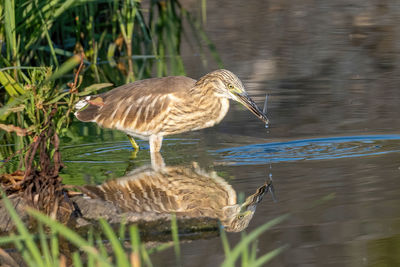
(230, 86)
(240, 216)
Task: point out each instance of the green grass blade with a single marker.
(57, 51)
(57, 98)
(253, 254)
(65, 5)
(9, 239)
(120, 254)
(9, 25)
(130, 18)
(175, 238)
(66, 67)
(45, 246)
(102, 248)
(13, 105)
(135, 244)
(76, 259)
(245, 252)
(225, 242)
(145, 256)
(122, 25)
(237, 250)
(24, 252)
(28, 238)
(54, 246)
(48, 38)
(94, 87)
(69, 234)
(90, 259)
(12, 87)
(204, 11)
(267, 257)
(160, 248)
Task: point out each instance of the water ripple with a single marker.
(310, 149)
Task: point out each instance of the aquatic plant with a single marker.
(34, 105)
(131, 39)
(108, 248)
(45, 33)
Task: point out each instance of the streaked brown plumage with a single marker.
(189, 192)
(153, 108)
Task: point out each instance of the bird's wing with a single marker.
(135, 105)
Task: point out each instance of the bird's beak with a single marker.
(246, 101)
(251, 202)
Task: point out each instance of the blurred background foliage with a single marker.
(41, 42)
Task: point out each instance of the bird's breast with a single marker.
(195, 116)
(218, 112)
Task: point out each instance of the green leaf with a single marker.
(267, 257)
(225, 242)
(175, 238)
(76, 259)
(10, 239)
(56, 99)
(23, 231)
(9, 25)
(70, 235)
(66, 67)
(120, 255)
(94, 87)
(12, 87)
(237, 250)
(11, 104)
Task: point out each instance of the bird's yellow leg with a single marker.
(134, 145)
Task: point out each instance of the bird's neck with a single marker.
(208, 104)
(206, 96)
(204, 88)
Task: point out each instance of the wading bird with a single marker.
(153, 108)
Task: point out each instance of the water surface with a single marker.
(331, 69)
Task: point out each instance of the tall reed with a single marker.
(133, 40)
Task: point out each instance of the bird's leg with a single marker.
(157, 161)
(155, 142)
(133, 142)
(135, 147)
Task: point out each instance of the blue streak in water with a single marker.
(308, 149)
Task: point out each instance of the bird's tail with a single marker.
(82, 103)
(86, 109)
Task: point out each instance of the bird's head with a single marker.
(237, 217)
(228, 85)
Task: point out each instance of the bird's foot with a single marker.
(133, 142)
(134, 154)
(135, 147)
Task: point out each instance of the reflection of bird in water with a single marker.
(152, 108)
(190, 192)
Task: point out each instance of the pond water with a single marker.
(331, 69)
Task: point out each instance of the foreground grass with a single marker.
(43, 248)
